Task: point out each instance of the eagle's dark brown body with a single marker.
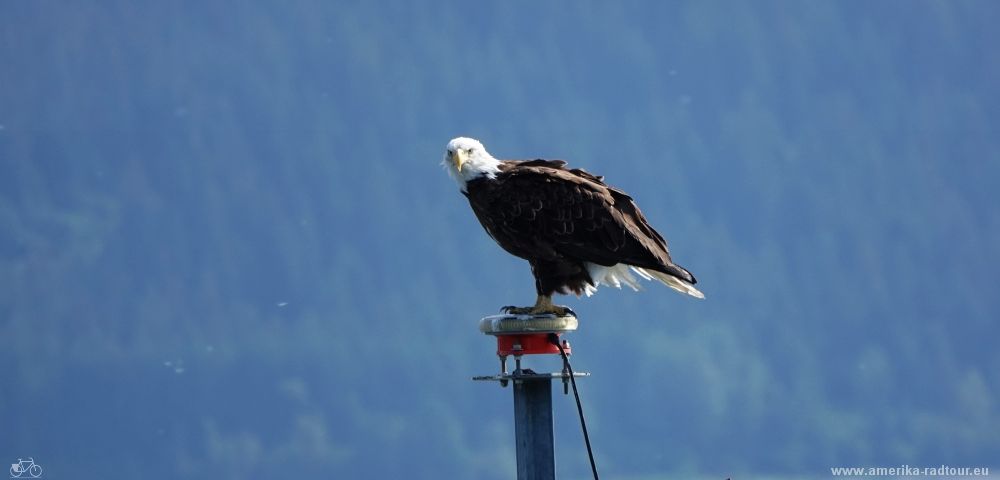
(560, 219)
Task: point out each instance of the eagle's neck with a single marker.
(480, 165)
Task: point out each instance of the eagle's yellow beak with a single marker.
(458, 158)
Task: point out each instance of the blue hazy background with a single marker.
(227, 248)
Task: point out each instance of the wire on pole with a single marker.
(579, 406)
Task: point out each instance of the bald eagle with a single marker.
(574, 230)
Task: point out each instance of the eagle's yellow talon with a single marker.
(543, 306)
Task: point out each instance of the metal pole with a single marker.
(533, 429)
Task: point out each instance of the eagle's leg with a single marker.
(543, 306)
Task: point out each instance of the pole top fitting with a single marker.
(519, 335)
(527, 334)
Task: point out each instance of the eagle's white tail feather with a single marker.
(614, 275)
(642, 272)
(621, 273)
(677, 284)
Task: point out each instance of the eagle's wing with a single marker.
(543, 207)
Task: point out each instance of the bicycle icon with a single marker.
(25, 466)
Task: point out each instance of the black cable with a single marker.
(579, 406)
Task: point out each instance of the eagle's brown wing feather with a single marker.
(541, 209)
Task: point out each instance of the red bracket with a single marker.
(528, 344)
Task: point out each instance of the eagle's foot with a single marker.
(558, 310)
(512, 310)
(544, 309)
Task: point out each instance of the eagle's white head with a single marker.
(467, 159)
